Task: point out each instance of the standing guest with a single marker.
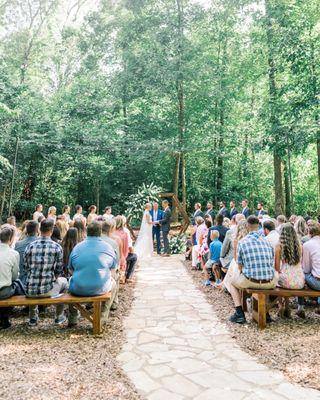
(288, 259)
(43, 261)
(281, 219)
(223, 209)
(165, 227)
(210, 210)
(62, 225)
(245, 209)
(108, 213)
(70, 240)
(156, 215)
(90, 264)
(9, 272)
(270, 233)
(92, 214)
(66, 214)
(255, 260)
(38, 213)
(132, 257)
(52, 211)
(301, 228)
(260, 210)
(120, 232)
(32, 232)
(200, 232)
(214, 258)
(233, 210)
(79, 215)
(80, 226)
(218, 227)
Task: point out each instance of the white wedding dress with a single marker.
(144, 243)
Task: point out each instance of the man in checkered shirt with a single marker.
(43, 263)
(256, 264)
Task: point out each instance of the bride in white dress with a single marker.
(144, 243)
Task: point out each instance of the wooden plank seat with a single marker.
(261, 302)
(94, 317)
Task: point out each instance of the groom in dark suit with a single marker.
(165, 227)
(156, 215)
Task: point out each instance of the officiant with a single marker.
(156, 215)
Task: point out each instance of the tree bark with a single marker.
(287, 189)
(175, 184)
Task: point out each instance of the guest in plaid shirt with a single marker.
(256, 265)
(43, 263)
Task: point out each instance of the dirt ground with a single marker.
(289, 345)
(50, 363)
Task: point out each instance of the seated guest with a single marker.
(293, 219)
(38, 213)
(43, 263)
(108, 228)
(281, 219)
(270, 233)
(56, 235)
(255, 260)
(288, 259)
(92, 214)
(79, 215)
(245, 209)
(200, 231)
(32, 232)
(9, 272)
(233, 210)
(69, 242)
(301, 228)
(66, 214)
(52, 214)
(81, 228)
(132, 257)
(227, 251)
(11, 221)
(214, 259)
(90, 264)
(223, 210)
(226, 222)
(108, 213)
(218, 227)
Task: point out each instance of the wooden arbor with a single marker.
(176, 202)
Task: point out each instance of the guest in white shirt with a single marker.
(269, 230)
(9, 271)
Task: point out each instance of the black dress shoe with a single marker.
(238, 318)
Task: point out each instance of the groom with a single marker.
(165, 227)
(156, 215)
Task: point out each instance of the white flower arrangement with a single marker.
(178, 244)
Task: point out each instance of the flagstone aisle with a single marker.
(178, 349)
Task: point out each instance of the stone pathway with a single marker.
(178, 349)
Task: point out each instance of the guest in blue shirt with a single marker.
(214, 258)
(90, 264)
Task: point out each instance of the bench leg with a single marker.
(97, 318)
(262, 311)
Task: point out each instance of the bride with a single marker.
(144, 243)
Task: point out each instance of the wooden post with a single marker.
(262, 311)
(97, 318)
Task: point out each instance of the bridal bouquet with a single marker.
(178, 244)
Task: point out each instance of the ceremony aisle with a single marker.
(178, 349)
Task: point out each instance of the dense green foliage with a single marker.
(199, 97)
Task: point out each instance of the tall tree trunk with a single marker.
(287, 189)
(220, 155)
(175, 184)
(274, 125)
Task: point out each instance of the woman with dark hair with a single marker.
(70, 240)
(288, 256)
(92, 214)
(56, 235)
(79, 225)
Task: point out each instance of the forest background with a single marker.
(208, 99)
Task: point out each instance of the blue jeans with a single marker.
(313, 284)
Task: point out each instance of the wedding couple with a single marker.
(151, 224)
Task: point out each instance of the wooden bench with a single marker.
(261, 303)
(94, 317)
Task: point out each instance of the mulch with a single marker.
(59, 363)
(289, 345)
